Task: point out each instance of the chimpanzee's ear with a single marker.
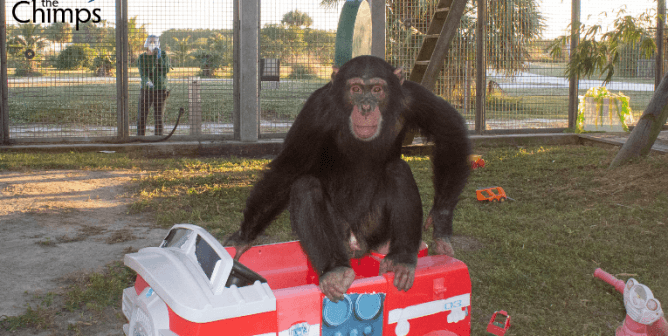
(335, 71)
(399, 72)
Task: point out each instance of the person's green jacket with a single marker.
(154, 69)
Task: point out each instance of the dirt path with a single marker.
(57, 223)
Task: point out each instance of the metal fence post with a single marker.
(378, 28)
(573, 85)
(236, 112)
(4, 107)
(481, 67)
(660, 26)
(122, 115)
(248, 65)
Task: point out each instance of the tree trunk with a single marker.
(648, 128)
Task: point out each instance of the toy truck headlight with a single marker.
(142, 325)
(149, 316)
(367, 306)
(335, 314)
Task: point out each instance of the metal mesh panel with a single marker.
(526, 88)
(301, 35)
(61, 80)
(197, 36)
(634, 76)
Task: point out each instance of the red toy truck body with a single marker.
(182, 288)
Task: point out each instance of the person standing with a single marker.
(153, 67)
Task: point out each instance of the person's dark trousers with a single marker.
(148, 98)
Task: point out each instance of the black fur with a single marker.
(334, 183)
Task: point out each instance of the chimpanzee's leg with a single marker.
(404, 207)
(322, 238)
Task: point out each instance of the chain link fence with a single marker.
(62, 76)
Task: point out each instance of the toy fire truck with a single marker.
(191, 286)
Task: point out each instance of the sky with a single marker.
(158, 16)
(557, 13)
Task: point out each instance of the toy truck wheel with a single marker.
(502, 199)
(441, 333)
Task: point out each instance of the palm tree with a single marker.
(221, 44)
(27, 37)
(137, 35)
(297, 18)
(512, 27)
(59, 32)
(181, 49)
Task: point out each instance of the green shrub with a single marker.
(103, 65)
(300, 71)
(76, 56)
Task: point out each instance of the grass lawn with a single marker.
(95, 102)
(49, 102)
(533, 257)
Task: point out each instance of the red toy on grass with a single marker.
(476, 161)
(496, 326)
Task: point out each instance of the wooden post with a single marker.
(194, 107)
(573, 84)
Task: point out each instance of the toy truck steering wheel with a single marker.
(242, 276)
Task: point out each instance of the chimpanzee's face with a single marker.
(368, 98)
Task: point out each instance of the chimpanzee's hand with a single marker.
(336, 282)
(404, 274)
(239, 244)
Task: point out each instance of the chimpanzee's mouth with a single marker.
(365, 132)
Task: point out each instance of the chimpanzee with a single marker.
(341, 175)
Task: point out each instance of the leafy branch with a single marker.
(600, 53)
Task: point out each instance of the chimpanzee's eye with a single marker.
(355, 89)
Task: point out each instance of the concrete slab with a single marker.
(618, 139)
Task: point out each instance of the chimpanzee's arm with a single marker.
(300, 152)
(446, 127)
